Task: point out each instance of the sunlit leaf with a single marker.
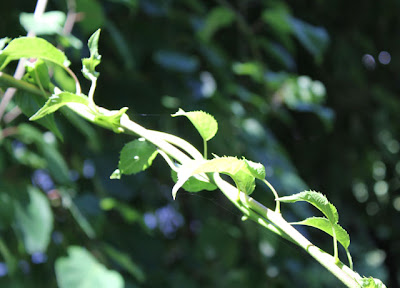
(56, 101)
(35, 221)
(256, 169)
(81, 269)
(205, 124)
(323, 224)
(110, 119)
(32, 47)
(237, 169)
(89, 64)
(316, 199)
(136, 156)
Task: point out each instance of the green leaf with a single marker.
(38, 73)
(370, 283)
(57, 101)
(110, 119)
(32, 47)
(318, 200)
(29, 104)
(205, 124)
(218, 18)
(136, 156)
(256, 169)
(81, 269)
(323, 224)
(251, 69)
(89, 64)
(49, 23)
(237, 169)
(35, 221)
(125, 262)
(194, 183)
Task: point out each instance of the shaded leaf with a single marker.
(314, 39)
(35, 221)
(136, 156)
(218, 18)
(32, 47)
(205, 124)
(81, 269)
(29, 104)
(123, 260)
(194, 183)
(176, 61)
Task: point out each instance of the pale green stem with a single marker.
(179, 142)
(250, 207)
(205, 149)
(341, 271)
(278, 203)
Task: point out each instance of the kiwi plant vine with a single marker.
(191, 169)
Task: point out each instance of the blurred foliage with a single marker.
(245, 63)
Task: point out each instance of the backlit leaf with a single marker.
(32, 47)
(323, 224)
(194, 183)
(51, 22)
(205, 124)
(89, 64)
(318, 200)
(56, 101)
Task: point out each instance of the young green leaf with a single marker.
(31, 47)
(256, 169)
(136, 156)
(56, 101)
(236, 168)
(110, 119)
(38, 73)
(205, 124)
(89, 64)
(49, 23)
(323, 224)
(316, 199)
(194, 183)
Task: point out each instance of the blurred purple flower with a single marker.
(38, 258)
(42, 179)
(3, 269)
(169, 220)
(88, 169)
